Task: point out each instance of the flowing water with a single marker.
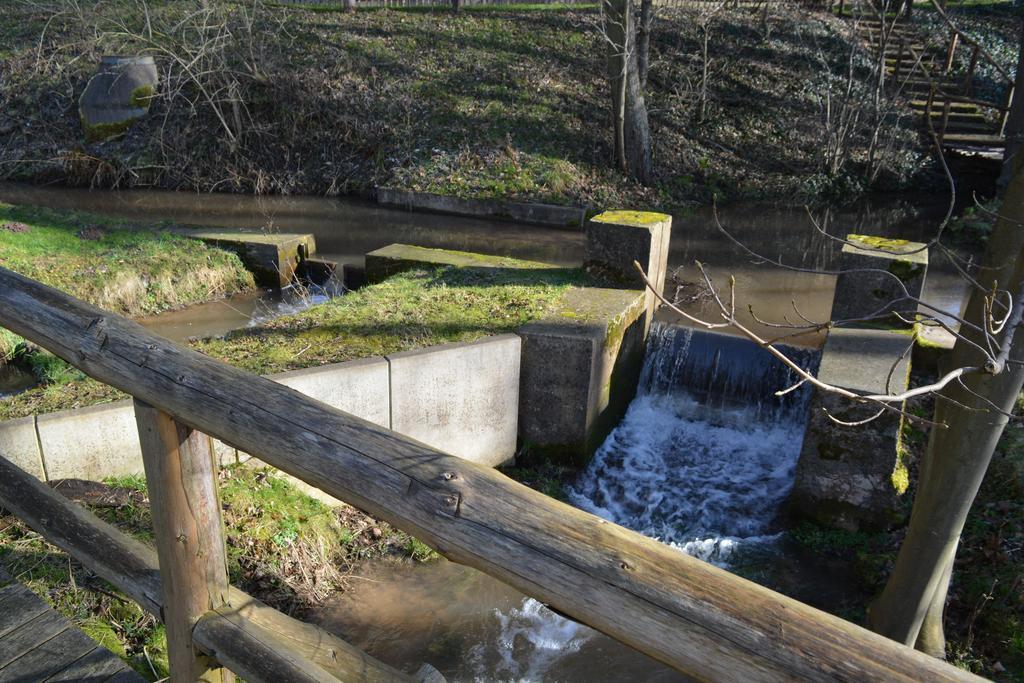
(702, 461)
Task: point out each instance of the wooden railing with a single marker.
(697, 618)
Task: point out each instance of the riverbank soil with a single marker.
(285, 548)
(503, 102)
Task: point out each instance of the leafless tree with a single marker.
(631, 131)
(974, 396)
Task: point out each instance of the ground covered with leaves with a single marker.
(284, 547)
(498, 102)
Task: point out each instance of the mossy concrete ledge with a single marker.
(397, 258)
(272, 257)
(852, 477)
(580, 370)
(521, 212)
(875, 271)
(617, 239)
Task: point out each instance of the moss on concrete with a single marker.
(141, 96)
(98, 132)
(889, 244)
(639, 219)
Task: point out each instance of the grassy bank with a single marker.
(122, 267)
(284, 547)
(411, 310)
(129, 269)
(504, 102)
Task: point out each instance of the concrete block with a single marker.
(852, 477)
(580, 370)
(460, 398)
(359, 387)
(18, 444)
(272, 257)
(397, 258)
(859, 294)
(91, 443)
(615, 239)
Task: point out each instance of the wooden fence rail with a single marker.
(697, 618)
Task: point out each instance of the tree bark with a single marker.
(629, 111)
(958, 455)
(350, 5)
(1014, 131)
(643, 45)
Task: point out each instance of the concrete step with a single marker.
(967, 128)
(954, 105)
(973, 140)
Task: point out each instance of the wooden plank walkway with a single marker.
(37, 644)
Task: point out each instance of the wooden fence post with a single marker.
(182, 480)
(969, 78)
(954, 41)
(945, 121)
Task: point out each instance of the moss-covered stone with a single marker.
(639, 219)
(142, 95)
(98, 132)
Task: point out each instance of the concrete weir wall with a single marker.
(460, 398)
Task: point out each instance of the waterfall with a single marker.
(702, 461)
(706, 453)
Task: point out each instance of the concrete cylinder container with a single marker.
(117, 95)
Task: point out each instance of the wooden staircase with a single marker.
(922, 71)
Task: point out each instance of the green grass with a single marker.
(284, 547)
(128, 269)
(507, 101)
(420, 308)
(131, 270)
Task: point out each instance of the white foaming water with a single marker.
(706, 481)
(532, 638)
(702, 461)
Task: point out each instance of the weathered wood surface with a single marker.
(133, 568)
(181, 478)
(37, 643)
(686, 613)
(252, 651)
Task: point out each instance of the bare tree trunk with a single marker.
(932, 638)
(1015, 122)
(456, 5)
(629, 111)
(959, 454)
(705, 34)
(350, 5)
(643, 45)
